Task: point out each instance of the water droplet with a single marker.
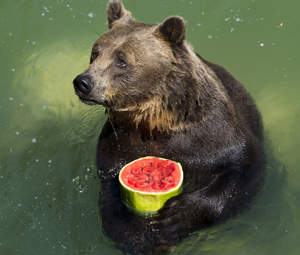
(34, 140)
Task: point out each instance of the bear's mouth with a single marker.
(89, 101)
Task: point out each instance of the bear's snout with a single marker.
(83, 84)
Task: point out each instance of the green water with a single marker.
(49, 188)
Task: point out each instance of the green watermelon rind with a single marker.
(148, 202)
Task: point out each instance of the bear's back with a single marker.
(244, 105)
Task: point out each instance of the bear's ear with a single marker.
(116, 11)
(173, 29)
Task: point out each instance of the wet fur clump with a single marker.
(165, 100)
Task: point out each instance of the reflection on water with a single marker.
(48, 178)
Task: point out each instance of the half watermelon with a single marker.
(147, 183)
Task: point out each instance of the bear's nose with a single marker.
(83, 84)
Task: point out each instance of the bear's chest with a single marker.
(119, 148)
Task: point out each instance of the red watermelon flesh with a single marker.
(151, 175)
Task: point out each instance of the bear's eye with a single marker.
(94, 55)
(120, 63)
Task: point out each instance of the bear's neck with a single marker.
(149, 119)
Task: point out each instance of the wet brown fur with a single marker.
(165, 100)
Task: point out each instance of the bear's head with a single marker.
(145, 75)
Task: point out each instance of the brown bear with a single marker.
(163, 99)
